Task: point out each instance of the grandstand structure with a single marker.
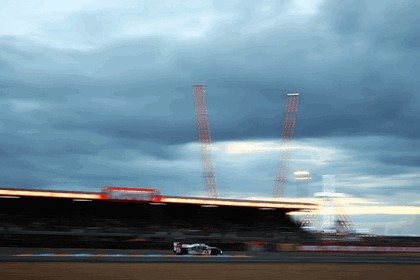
(131, 217)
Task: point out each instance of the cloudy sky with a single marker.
(96, 93)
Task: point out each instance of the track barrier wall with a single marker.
(286, 247)
(358, 249)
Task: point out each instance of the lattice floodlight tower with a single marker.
(331, 217)
(287, 136)
(205, 140)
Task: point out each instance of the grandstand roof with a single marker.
(152, 196)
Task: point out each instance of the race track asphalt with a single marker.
(72, 264)
(159, 256)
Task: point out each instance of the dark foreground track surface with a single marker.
(149, 256)
(206, 271)
(70, 264)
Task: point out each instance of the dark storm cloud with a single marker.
(166, 132)
(354, 94)
(404, 161)
(389, 23)
(388, 155)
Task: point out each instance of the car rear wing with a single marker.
(177, 245)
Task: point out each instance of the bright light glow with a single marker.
(302, 175)
(315, 152)
(372, 210)
(49, 194)
(329, 194)
(163, 200)
(249, 147)
(240, 203)
(389, 210)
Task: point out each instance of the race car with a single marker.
(195, 249)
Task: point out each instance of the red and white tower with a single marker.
(288, 131)
(205, 140)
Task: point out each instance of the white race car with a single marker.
(195, 249)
